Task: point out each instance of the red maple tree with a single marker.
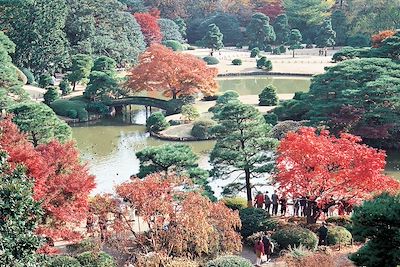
(271, 8)
(181, 223)
(330, 169)
(62, 182)
(377, 39)
(149, 26)
(174, 74)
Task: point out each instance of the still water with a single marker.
(109, 146)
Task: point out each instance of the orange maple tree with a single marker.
(330, 169)
(271, 8)
(377, 39)
(181, 223)
(174, 74)
(62, 182)
(149, 27)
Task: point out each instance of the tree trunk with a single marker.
(73, 86)
(248, 188)
(173, 95)
(293, 52)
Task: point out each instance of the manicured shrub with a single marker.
(271, 118)
(359, 40)
(254, 52)
(256, 220)
(237, 62)
(339, 235)
(339, 220)
(29, 76)
(64, 261)
(268, 48)
(51, 95)
(210, 97)
(276, 51)
(174, 45)
(191, 48)
(72, 113)
(174, 122)
(62, 106)
(227, 96)
(295, 236)
(45, 80)
(156, 122)
(268, 96)
(235, 203)
(349, 53)
(190, 112)
(239, 45)
(282, 49)
(83, 115)
(201, 129)
(101, 259)
(229, 261)
(264, 64)
(211, 60)
(97, 107)
(65, 87)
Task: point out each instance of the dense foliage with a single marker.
(229, 261)
(256, 220)
(259, 31)
(294, 236)
(338, 235)
(378, 220)
(156, 122)
(268, 96)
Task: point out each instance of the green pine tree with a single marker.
(259, 32)
(213, 38)
(326, 35)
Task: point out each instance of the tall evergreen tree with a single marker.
(295, 39)
(243, 147)
(340, 25)
(80, 69)
(282, 29)
(20, 215)
(36, 27)
(259, 32)
(326, 35)
(170, 30)
(213, 38)
(182, 26)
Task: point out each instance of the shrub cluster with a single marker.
(211, 60)
(254, 52)
(268, 96)
(264, 64)
(294, 236)
(339, 235)
(174, 45)
(235, 203)
(29, 75)
(229, 261)
(67, 108)
(256, 220)
(156, 122)
(85, 259)
(201, 129)
(237, 62)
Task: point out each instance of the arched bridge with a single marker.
(170, 106)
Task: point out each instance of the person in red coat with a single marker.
(260, 200)
(259, 250)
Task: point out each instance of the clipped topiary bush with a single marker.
(156, 122)
(271, 118)
(268, 48)
(237, 62)
(90, 259)
(227, 96)
(191, 48)
(282, 49)
(276, 51)
(256, 220)
(339, 220)
(264, 64)
(339, 235)
(210, 97)
(72, 113)
(190, 112)
(83, 115)
(254, 52)
(45, 80)
(229, 261)
(97, 107)
(201, 129)
(29, 76)
(268, 96)
(64, 261)
(51, 95)
(174, 45)
(211, 60)
(294, 236)
(62, 106)
(65, 87)
(235, 203)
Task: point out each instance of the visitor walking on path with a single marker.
(303, 203)
(275, 200)
(260, 200)
(268, 203)
(283, 202)
(323, 235)
(268, 248)
(259, 250)
(296, 207)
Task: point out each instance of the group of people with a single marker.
(323, 52)
(274, 201)
(263, 249)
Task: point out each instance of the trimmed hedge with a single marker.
(227, 96)
(83, 115)
(256, 220)
(268, 96)
(201, 129)
(294, 236)
(62, 107)
(156, 122)
(64, 261)
(174, 45)
(237, 62)
(271, 118)
(254, 52)
(235, 203)
(29, 76)
(339, 235)
(90, 259)
(229, 261)
(264, 64)
(211, 60)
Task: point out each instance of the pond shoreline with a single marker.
(264, 73)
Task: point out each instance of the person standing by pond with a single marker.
(275, 200)
(268, 202)
(259, 250)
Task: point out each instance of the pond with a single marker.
(109, 146)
